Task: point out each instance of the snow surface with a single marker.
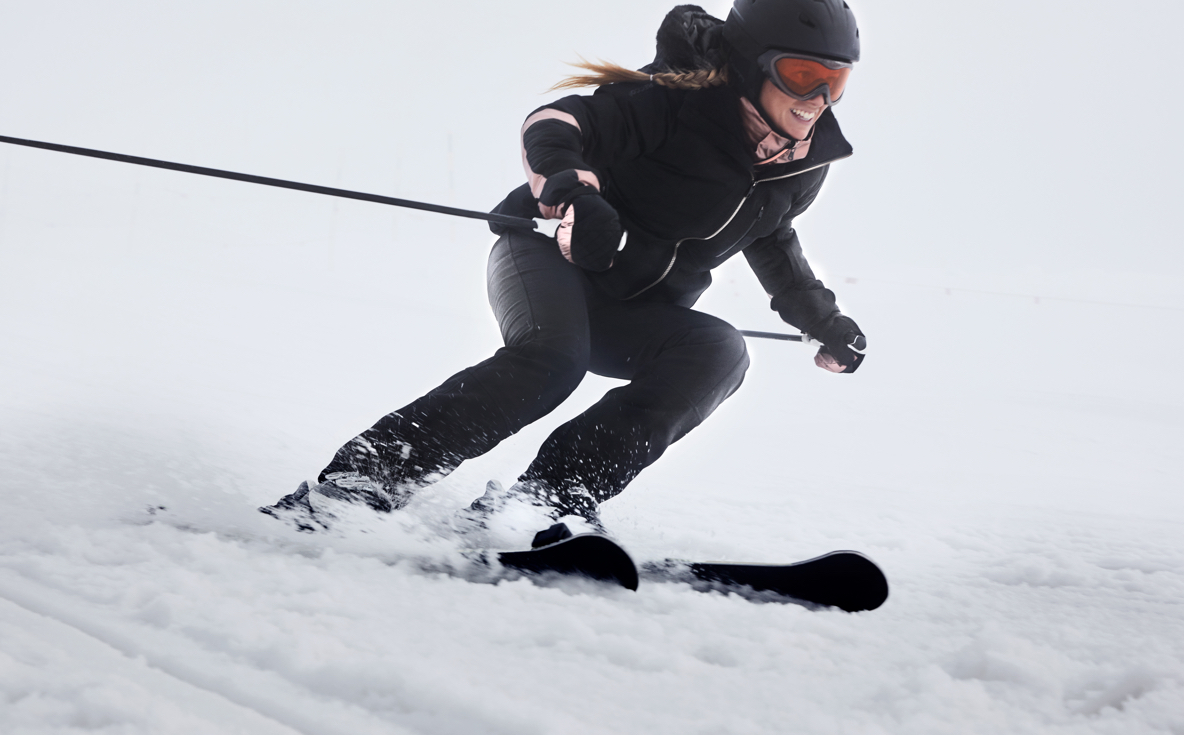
(175, 351)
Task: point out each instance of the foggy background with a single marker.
(1007, 158)
(1005, 234)
(1009, 141)
(1015, 150)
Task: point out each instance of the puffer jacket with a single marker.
(680, 170)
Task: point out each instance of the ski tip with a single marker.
(865, 586)
(847, 580)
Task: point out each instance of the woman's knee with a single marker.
(722, 349)
(734, 354)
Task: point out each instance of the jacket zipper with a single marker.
(755, 181)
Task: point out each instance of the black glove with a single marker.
(843, 344)
(590, 232)
(519, 203)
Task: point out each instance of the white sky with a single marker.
(1036, 138)
(1013, 463)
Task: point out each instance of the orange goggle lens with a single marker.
(803, 77)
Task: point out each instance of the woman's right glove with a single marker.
(843, 344)
(590, 231)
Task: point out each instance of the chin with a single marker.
(797, 129)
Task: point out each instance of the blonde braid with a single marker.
(609, 73)
(694, 79)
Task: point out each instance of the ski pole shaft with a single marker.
(773, 335)
(520, 222)
(503, 219)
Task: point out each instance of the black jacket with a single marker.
(680, 171)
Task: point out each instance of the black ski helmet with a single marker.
(823, 28)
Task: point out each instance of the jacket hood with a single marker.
(689, 38)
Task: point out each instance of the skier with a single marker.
(658, 177)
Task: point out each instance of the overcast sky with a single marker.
(1038, 138)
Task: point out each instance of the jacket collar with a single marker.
(716, 111)
(770, 146)
(827, 146)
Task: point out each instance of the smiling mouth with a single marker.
(804, 115)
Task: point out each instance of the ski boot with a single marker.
(524, 508)
(310, 507)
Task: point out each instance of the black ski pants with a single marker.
(557, 326)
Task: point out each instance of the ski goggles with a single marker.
(805, 77)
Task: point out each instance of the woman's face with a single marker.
(789, 115)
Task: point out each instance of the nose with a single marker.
(817, 102)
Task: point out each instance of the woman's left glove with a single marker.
(843, 344)
(590, 231)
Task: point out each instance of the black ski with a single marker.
(844, 579)
(847, 580)
(587, 555)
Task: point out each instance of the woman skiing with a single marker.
(658, 177)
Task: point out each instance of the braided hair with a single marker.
(603, 72)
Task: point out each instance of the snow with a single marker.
(176, 351)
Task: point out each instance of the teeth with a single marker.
(804, 115)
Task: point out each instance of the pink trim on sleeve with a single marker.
(536, 180)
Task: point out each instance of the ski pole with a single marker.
(774, 335)
(503, 219)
